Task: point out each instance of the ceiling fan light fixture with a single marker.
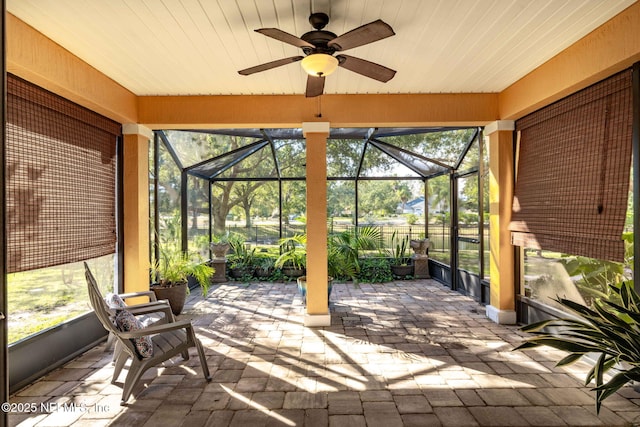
(319, 64)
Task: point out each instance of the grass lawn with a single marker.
(40, 299)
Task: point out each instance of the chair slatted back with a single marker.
(103, 312)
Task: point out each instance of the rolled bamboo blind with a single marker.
(61, 179)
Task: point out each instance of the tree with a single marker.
(403, 192)
(341, 198)
(377, 197)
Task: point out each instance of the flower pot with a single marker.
(240, 272)
(219, 249)
(292, 271)
(175, 294)
(402, 270)
(302, 287)
(419, 246)
(262, 272)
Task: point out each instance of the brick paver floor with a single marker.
(408, 353)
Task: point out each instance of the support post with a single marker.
(136, 207)
(501, 179)
(316, 134)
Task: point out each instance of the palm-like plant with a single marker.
(344, 250)
(609, 329)
(293, 251)
(174, 267)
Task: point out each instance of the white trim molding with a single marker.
(315, 127)
(316, 320)
(499, 125)
(501, 317)
(136, 129)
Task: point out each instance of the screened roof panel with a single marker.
(343, 157)
(214, 167)
(258, 165)
(470, 160)
(440, 144)
(412, 161)
(392, 152)
(377, 163)
(292, 157)
(193, 147)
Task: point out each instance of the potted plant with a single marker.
(172, 272)
(398, 253)
(302, 287)
(240, 259)
(293, 258)
(264, 266)
(610, 330)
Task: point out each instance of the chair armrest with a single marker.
(156, 329)
(150, 294)
(157, 307)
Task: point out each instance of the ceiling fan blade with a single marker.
(315, 86)
(366, 68)
(368, 33)
(285, 37)
(269, 65)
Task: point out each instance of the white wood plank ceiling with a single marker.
(188, 47)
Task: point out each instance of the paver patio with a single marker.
(408, 353)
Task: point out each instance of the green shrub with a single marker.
(375, 270)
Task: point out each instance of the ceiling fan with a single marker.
(319, 47)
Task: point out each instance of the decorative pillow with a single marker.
(125, 321)
(114, 301)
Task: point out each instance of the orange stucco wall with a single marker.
(135, 202)
(161, 112)
(317, 302)
(36, 58)
(501, 261)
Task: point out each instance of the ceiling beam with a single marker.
(253, 111)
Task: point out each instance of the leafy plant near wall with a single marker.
(294, 251)
(399, 251)
(609, 329)
(596, 276)
(344, 249)
(174, 267)
(375, 270)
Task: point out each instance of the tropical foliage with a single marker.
(609, 330)
(344, 250)
(175, 267)
(293, 251)
(399, 251)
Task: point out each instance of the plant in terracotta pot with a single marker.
(399, 255)
(293, 258)
(264, 265)
(172, 272)
(241, 258)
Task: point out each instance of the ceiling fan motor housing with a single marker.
(318, 38)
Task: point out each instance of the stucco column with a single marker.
(136, 206)
(501, 168)
(316, 134)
